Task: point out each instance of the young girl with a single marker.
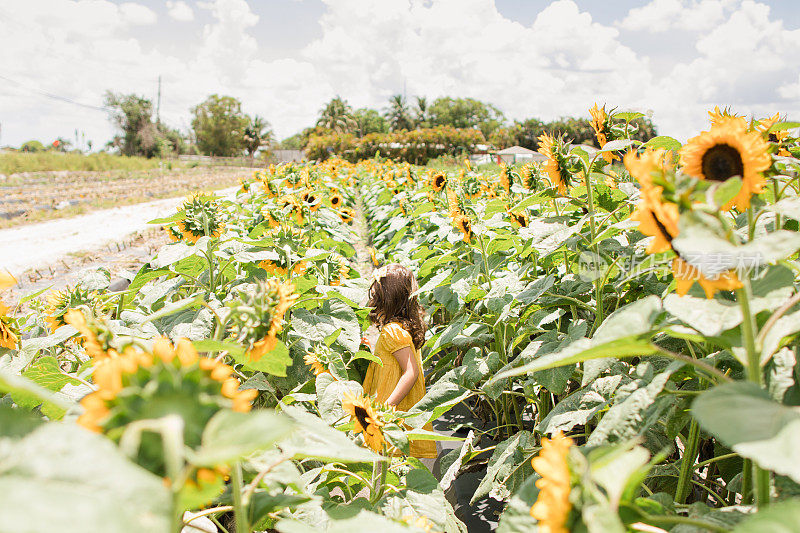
(398, 315)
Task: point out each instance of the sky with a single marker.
(284, 59)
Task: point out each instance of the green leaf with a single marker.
(423, 434)
(788, 207)
(772, 247)
(361, 354)
(210, 345)
(783, 126)
(664, 141)
(744, 418)
(709, 317)
(316, 439)
(28, 394)
(274, 362)
(639, 411)
(619, 144)
(46, 372)
(727, 190)
(627, 116)
(167, 220)
(517, 516)
(580, 406)
(329, 396)
(509, 467)
(230, 436)
(63, 478)
(584, 350)
(780, 517)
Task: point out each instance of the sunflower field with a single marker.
(613, 346)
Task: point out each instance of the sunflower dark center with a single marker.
(722, 161)
(773, 138)
(361, 416)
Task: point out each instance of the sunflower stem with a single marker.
(749, 333)
(598, 286)
(239, 510)
(689, 455)
(776, 192)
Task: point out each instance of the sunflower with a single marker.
(463, 223)
(91, 341)
(720, 116)
(776, 137)
(277, 299)
(453, 204)
(505, 177)
(336, 200)
(366, 422)
(552, 505)
(347, 214)
(201, 218)
(601, 124)
(685, 275)
(316, 365)
(656, 218)
(438, 181)
(519, 218)
(373, 255)
(273, 269)
(529, 173)
(162, 380)
(555, 166)
(342, 270)
(8, 332)
(59, 302)
(727, 150)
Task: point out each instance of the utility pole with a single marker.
(158, 104)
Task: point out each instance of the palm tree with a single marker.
(398, 114)
(257, 133)
(337, 115)
(422, 112)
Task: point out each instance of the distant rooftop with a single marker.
(515, 150)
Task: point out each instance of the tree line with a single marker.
(414, 130)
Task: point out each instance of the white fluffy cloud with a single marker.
(180, 11)
(366, 51)
(665, 15)
(134, 13)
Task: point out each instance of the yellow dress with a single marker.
(380, 381)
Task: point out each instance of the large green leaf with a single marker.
(333, 315)
(329, 396)
(744, 418)
(640, 410)
(274, 362)
(517, 516)
(580, 406)
(63, 478)
(316, 439)
(781, 517)
(509, 467)
(229, 435)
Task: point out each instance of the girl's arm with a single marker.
(408, 365)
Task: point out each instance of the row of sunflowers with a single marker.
(220, 391)
(617, 331)
(621, 324)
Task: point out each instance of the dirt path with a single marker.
(48, 246)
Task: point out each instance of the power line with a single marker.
(55, 96)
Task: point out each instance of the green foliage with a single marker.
(12, 163)
(219, 126)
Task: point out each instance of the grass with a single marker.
(12, 163)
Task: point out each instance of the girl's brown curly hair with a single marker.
(391, 301)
